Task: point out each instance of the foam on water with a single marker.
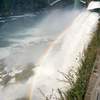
(14, 91)
(60, 56)
(4, 52)
(27, 44)
(63, 56)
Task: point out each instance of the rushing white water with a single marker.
(21, 47)
(28, 43)
(63, 56)
(60, 56)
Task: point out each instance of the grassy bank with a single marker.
(79, 88)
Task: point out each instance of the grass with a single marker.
(79, 88)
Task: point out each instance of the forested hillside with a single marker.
(17, 6)
(13, 7)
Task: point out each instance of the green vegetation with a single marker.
(14, 7)
(79, 88)
(10, 7)
(5, 7)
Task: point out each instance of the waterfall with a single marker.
(61, 56)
